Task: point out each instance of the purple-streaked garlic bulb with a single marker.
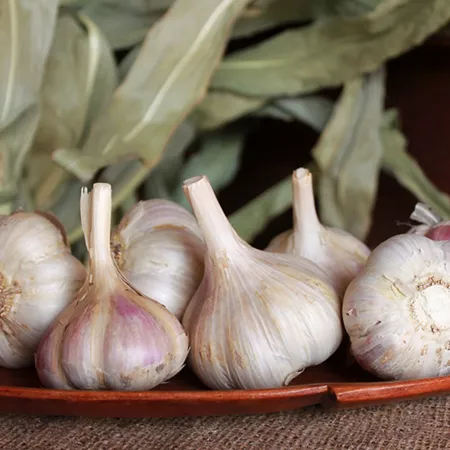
(258, 319)
(160, 251)
(110, 336)
(337, 252)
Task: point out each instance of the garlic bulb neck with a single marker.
(99, 210)
(307, 228)
(338, 253)
(217, 231)
(258, 319)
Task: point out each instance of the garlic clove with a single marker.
(160, 251)
(258, 318)
(38, 278)
(396, 311)
(337, 252)
(110, 336)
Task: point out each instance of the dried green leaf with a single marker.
(165, 175)
(219, 108)
(313, 110)
(349, 155)
(15, 141)
(163, 85)
(330, 51)
(218, 158)
(79, 80)
(399, 163)
(125, 23)
(344, 8)
(252, 218)
(264, 15)
(26, 31)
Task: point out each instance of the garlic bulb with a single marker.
(430, 224)
(38, 278)
(160, 251)
(397, 310)
(109, 337)
(258, 319)
(338, 253)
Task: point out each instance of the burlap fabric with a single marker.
(423, 425)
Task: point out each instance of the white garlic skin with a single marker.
(258, 319)
(397, 310)
(38, 276)
(335, 251)
(109, 337)
(160, 251)
(341, 255)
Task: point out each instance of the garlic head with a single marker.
(430, 224)
(160, 251)
(110, 336)
(258, 319)
(397, 310)
(337, 252)
(38, 278)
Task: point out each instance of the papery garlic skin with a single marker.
(110, 336)
(431, 225)
(397, 310)
(258, 319)
(160, 251)
(38, 278)
(337, 252)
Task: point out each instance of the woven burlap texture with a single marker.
(416, 425)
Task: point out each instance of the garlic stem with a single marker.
(306, 223)
(100, 209)
(218, 234)
(425, 215)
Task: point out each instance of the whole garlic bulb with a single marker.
(258, 319)
(397, 310)
(159, 249)
(337, 252)
(109, 337)
(38, 278)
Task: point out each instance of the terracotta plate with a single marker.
(338, 383)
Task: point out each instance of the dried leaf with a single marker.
(252, 218)
(398, 162)
(344, 8)
(15, 142)
(26, 31)
(79, 80)
(164, 83)
(125, 23)
(264, 15)
(313, 110)
(349, 156)
(218, 158)
(164, 176)
(330, 51)
(219, 108)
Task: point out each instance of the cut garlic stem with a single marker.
(307, 228)
(218, 233)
